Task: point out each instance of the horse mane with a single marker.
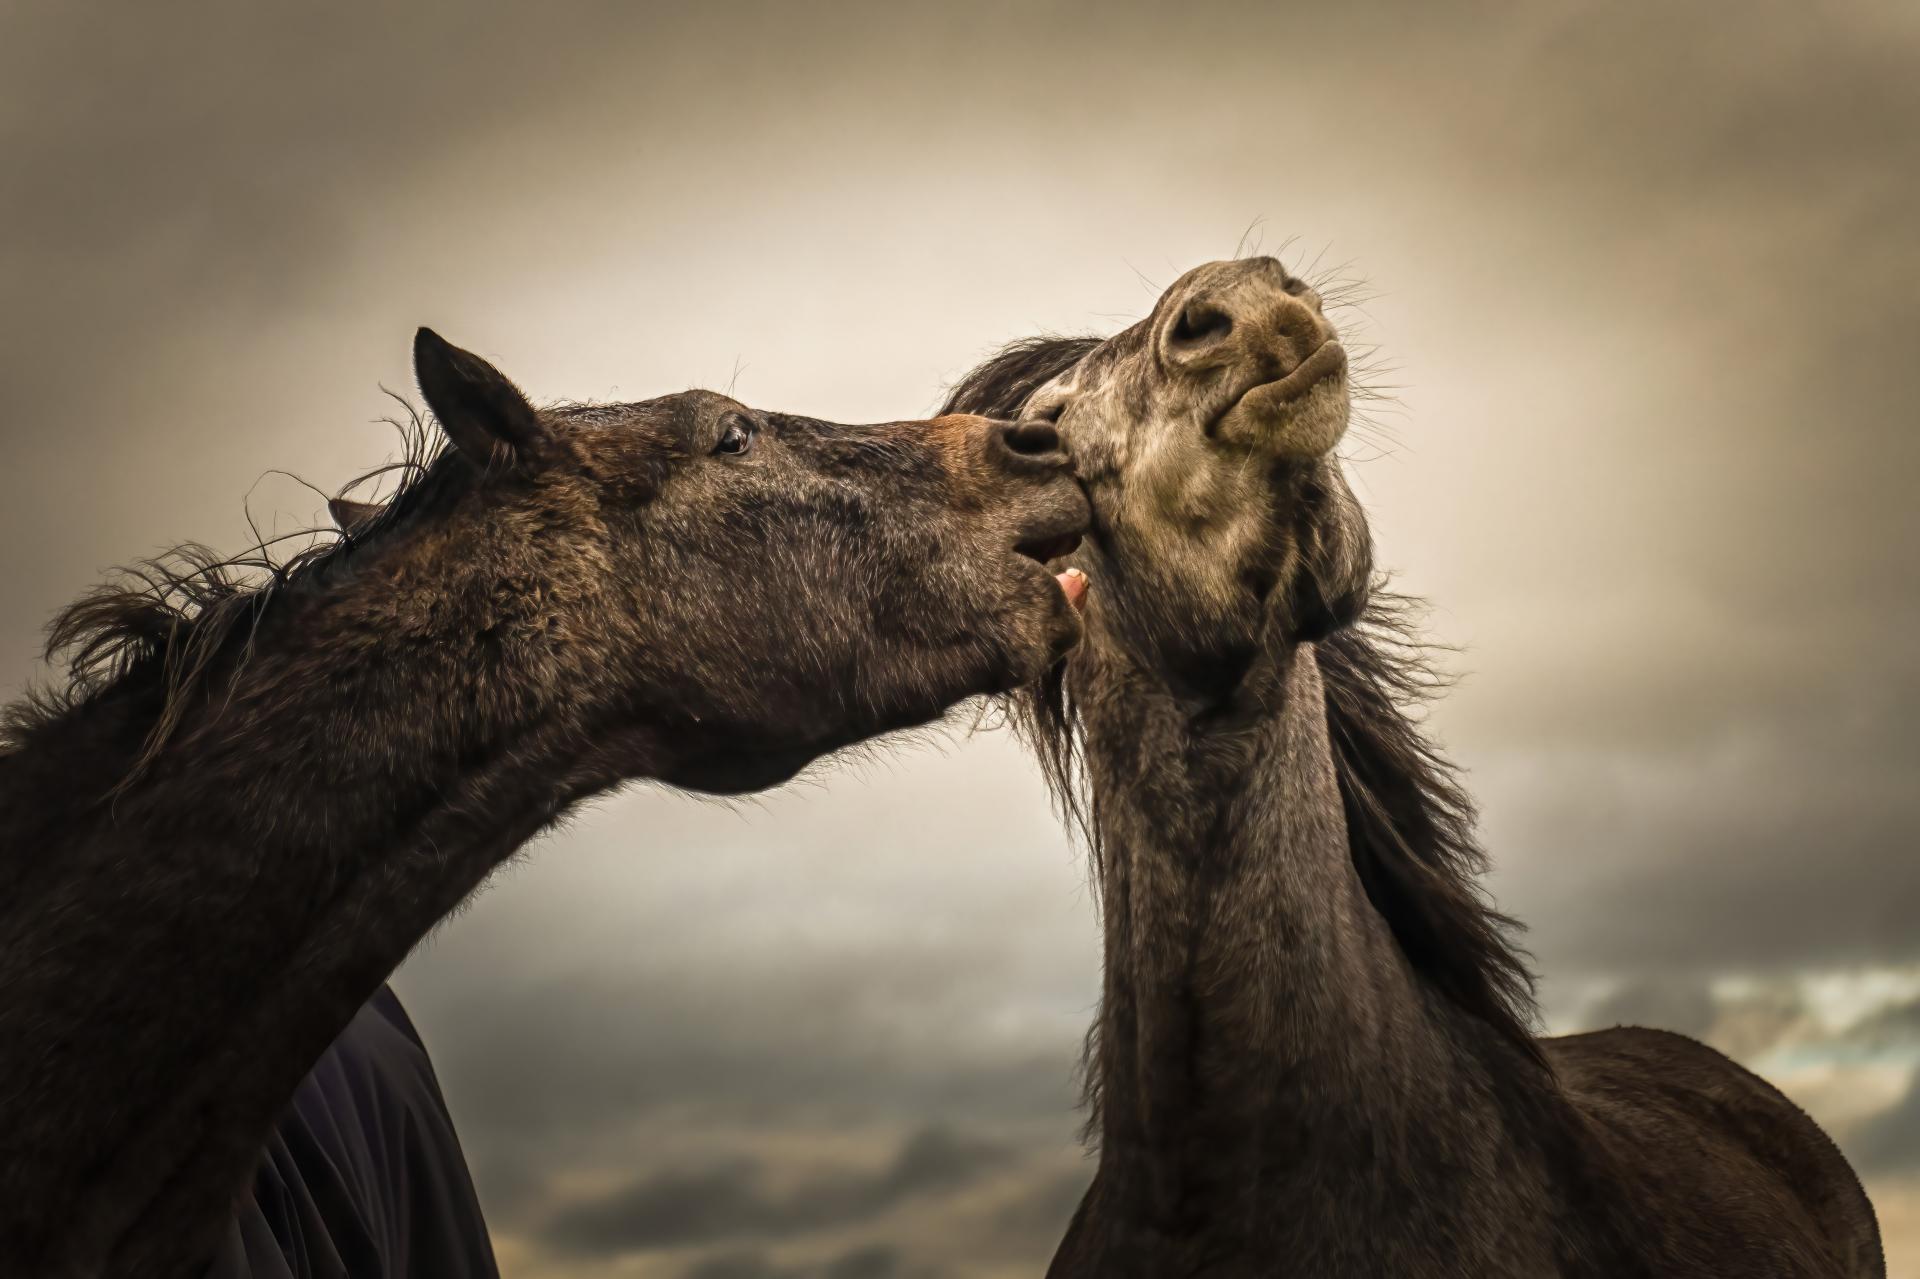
(1410, 821)
(1000, 385)
(157, 626)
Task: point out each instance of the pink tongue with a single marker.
(1073, 583)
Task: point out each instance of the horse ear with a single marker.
(350, 516)
(483, 413)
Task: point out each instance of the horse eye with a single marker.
(737, 438)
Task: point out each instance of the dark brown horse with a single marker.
(1313, 1054)
(253, 798)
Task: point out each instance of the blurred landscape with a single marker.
(1644, 276)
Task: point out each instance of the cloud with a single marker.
(1724, 857)
(1844, 1045)
(1745, 1020)
(692, 1080)
(1042, 1212)
(1896, 1026)
(1839, 1017)
(1686, 1007)
(738, 1265)
(732, 1202)
(875, 1262)
(650, 1045)
(1890, 1141)
(721, 1203)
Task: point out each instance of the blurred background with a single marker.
(1648, 278)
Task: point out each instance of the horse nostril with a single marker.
(1200, 324)
(1038, 440)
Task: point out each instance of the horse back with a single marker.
(1759, 1187)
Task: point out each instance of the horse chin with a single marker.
(1292, 420)
(1044, 621)
(1064, 625)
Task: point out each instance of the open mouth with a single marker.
(1328, 360)
(1051, 546)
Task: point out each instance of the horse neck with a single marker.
(180, 952)
(1257, 1011)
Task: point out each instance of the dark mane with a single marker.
(157, 627)
(999, 386)
(1410, 822)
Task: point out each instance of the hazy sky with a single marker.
(1648, 279)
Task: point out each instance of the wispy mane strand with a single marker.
(165, 620)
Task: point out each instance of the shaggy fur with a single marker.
(258, 791)
(1313, 1053)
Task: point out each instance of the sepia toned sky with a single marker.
(1648, 281)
